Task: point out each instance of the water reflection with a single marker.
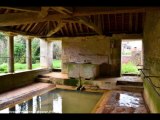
(57, 104)
(129, 101)
(51, 102)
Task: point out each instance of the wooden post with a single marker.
(11, 53)
(28, 53)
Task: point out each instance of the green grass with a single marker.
(56, 64)
(21, 67)
(18, 67)
(129, 68)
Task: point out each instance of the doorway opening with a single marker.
(131, 56)
(57, 51)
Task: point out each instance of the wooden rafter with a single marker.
(130, 22)
(29, 26)
(18, 32)
(26, 9)
(108, 22)
(59, 26)
(70, 26)
(136, 22)
(91, 25)
(122, 22)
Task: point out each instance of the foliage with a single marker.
(3, 48)
(57, 50)
(129, 68)
(71, 82)
(20, 49)
(35, 50)
(56, 64)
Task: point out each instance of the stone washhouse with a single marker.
(91, 52)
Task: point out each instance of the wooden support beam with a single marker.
(85, 12)
(64, 10)
(18, 32)
(25, 9)
(90, 25)
(59, 26)
(11, 19)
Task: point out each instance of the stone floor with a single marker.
(124, 102)
(117, 101)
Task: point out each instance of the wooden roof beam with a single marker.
(64, 10)
(18, 32)
(25, 9)
(91, 25)
(59, 26)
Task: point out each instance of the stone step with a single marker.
(130, 88)
(130, 83)
(45, 80)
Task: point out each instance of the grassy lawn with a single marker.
(21, 67)
(18, 67)
(56, 64)
(129, 68)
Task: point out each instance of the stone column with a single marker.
(29, 53)
(46, 54)
(11, 53)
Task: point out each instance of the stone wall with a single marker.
(152, 57)
(12, 81)
(102, 50)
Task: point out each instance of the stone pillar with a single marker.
(29, 53)
(46, 54)
(11, 54)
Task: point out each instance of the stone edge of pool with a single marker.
(97, 108)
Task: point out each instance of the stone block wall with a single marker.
(151, 45)
(102, 50)
(15, 80)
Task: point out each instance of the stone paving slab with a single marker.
(123, 102)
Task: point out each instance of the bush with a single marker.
(71, 82)
(3, 68)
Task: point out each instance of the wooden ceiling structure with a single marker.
(48, 22)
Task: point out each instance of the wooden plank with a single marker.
(136, 22)
(42, 28)
(115, 22)
(123, 22)
(23, 27)
(70, 27)
(75, 27)
(81, 30)
(108, 23)
(59, 26)
(84, 21)
(102, 18)
(33, 27)
(105, 11)
(66, 29)
(130, 22)
(28, 27)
